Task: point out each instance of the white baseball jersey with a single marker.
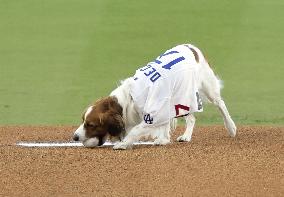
(167, 87)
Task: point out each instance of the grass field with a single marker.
(57, 56)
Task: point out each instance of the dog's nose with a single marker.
(75, 137)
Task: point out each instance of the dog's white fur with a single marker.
(209, 87)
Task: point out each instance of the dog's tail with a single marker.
(202, 94)
(220, 81)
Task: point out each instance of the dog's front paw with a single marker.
(121, 146)
(183, 138)
(159, 142)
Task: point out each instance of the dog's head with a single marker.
(99, 121)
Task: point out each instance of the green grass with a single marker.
(57, 56)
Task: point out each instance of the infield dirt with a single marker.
(212, 164)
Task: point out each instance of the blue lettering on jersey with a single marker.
(171, 63)
(168, 53)
(155, 77)
(148, 119)
(152, 73)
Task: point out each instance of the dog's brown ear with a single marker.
(108, 103)
(111, 115)
(102, 105)
(115, 124)
(114, 105)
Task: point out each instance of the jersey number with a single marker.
(153, 73)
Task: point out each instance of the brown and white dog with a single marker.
(147, 104)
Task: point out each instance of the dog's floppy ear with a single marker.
(111, 115)
(115, 124)
(114, 105)
(108, 103)
(103, 104)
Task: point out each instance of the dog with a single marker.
(146, 105)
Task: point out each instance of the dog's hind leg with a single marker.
(211, 87)
(190, 121)
(229, 123)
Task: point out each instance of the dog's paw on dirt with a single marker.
(183, 138)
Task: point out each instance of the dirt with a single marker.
(212, 164)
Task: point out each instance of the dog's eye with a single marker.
(89, 125)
